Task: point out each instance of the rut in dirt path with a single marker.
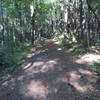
(50, 73)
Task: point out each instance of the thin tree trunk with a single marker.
(7, 24)
(33, 33)
(88, 28)
(61, 15)
(81, 18)
(2, 23)
(33, 22)
(89, 6)
(66, 18)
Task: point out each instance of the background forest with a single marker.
(24, 23)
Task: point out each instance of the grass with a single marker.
(11, 61)
(77, 50)
(95, 67)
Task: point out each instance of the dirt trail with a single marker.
(51, 73)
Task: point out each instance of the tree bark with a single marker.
(2, 23)
(81, 18)
(89, 6)
(33, 23)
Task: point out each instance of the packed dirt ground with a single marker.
(52, 73)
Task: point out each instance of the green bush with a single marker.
(78, 51)
(2, 59)
(7, 61)
(95, 67)
(66, 43)
(84, 41)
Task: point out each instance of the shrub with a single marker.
(79, 51)
(7, 61)
(95, 67)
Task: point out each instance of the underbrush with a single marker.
(10, 61)
(95, 67)
(77, 49)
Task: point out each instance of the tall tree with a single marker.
(33, 20)
(81, 18)
(2, 23)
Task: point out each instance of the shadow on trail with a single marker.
(50, 73)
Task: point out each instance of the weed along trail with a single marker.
(51, 73)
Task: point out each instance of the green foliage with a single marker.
(6, 62)
(69, 44)
(17, 34)
(79, 51)
(95, 67)
(63, 41)
(66, 43)
(9, 61)
(84, 41)
(58, 37)
(47, 19)
(95, 4)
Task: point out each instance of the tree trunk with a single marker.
(2, 23)
(7, 24)
(66, 18)
(33, 31)
(81, 18)
(33, 22)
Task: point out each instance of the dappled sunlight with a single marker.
(27, 66)
(50, 65)
(37, 90)
(30, 55)
(62, 79)
(70, 50)
(34, 53)
(89, 59)
(75, 82)
(35, 67)
(40, 66)
(59, 49)
(49, 50)
(20, 78)
(80, 61)
(82, 89)
(37, 63)
(51, 73)
(86, 72)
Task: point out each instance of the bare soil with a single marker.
(51, 73)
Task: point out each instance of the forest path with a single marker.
(51, 73)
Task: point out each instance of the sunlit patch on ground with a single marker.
(75, 82)
(38, 63)
(40, 66)
(89, 59)
(20, 78)
(59, 49)
(30, 55)
(28, 65)
(50, 65)
(37, 90)
(52, 73)
(86, 72)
